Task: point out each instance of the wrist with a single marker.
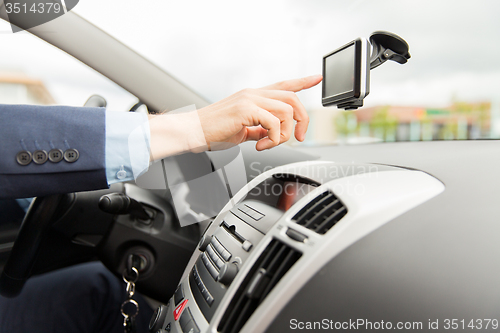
(173, 134)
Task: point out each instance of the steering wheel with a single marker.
(42, 213)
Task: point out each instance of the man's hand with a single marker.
(265, 115)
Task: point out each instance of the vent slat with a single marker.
(243, 315)
(267, 271)
(289, 260)
(322, 213)
(311, 207)
(269, 257)
(233, 317)
(276, 260)
(331, 221)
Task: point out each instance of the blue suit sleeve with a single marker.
(127, 145)
(51, 149)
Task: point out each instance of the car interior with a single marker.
(400, 231)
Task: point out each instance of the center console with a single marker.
(278, 232)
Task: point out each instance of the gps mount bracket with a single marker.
(388, 46)
(350, 105)
(385, 46)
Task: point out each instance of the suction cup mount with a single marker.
(388, 46)
(345, 88)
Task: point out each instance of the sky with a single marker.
(69, 81)
(220, 47)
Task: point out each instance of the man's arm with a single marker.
(266, 115)
(51, 149)
(60, 149)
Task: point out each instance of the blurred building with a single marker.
(21, 89)
(461, 120)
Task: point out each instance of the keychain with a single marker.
(130, 308)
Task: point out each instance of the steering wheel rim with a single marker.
(37, 221)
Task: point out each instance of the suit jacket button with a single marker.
(56, 155)
(23, 157)
(71, 155)
(40, 156)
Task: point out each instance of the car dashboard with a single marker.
(277, 233)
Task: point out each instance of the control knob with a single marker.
(158, 318)
(227, 273)
(205, 240)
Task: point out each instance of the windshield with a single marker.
(447, 90)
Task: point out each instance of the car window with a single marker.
(35, 72)
(447, 90)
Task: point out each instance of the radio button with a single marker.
(185, 319)
(207, 296)
(217, 245)
(209, 299)
(215, 258)
(210, 267)
(191, 327)
(226, 255)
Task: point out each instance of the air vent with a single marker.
(322, 213)
(272, 264)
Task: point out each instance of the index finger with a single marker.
(296, 84)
